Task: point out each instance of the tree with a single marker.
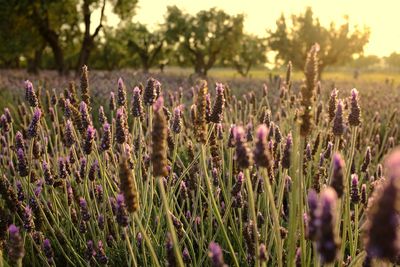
(203, 39)
(111, 53)
(393, 60)
(58, 23)
(252, 52)
(365, 62)
(19, 41)
(337, 44)
(45, 18)
(125, 9)
(149, 46)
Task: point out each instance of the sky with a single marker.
(382, 17)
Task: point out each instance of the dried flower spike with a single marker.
(159, 140)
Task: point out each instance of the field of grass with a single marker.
(184, 172)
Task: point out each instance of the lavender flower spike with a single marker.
(33, 127)
(216, 256)
(16, 249)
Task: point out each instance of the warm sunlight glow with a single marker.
(381, 16)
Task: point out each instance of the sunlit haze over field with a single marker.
(382, 17)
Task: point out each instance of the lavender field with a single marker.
(125, 169)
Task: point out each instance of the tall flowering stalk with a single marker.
(85, 86)
(159, 162)
(308, 90)
(218, 108)
(33, 127)
(201, 114)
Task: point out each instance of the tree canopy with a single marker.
(337, 43)
(203, 39)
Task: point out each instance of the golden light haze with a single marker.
(382, 17)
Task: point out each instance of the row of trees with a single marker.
(57, 34)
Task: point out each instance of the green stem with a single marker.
(171, 228)
(215, 207)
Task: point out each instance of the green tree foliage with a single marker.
(18, 40)
(111, 52)
(64, 26)
(337, 43)
(365, 62)
(251, 53)
(393, 60)
(150, 47)
(203, 39)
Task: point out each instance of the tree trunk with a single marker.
(84, 55)
(88, 39)
(51, 37)
(34, 63)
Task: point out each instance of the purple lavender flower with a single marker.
(169, 245)
(84, 209)
(355, 194)
(286, 161)
(364, 197)
(106, 137)
(308, 153)
(48, 251)
(85, 117)
(177, 120)
(231, 137)
(327, 241)
(332, 104)
(328, 150)
(263, 253)
(101, 254)
(121, 211)
(82, 168)
(93, 170)
(100, 221)
(337, 176)
(355, 111)
(38, 188)
(69, 138)
(19, 141)
(20, 191)
(261, 155)
(186, 256)
(15, 245)
(121, 93)
(150, 94)
(5, 126)
(7, 113)
(218, 108)
(112, 101)
(88, 143)
(48, 177)
(29, 225)
(120, 128)
(22, 163)
(338, 126)
(62, 169)
(367, 160)
(312, 226)
(90, 252)
(238, 185)
(99, 193)
(243, 156)
(30, 94)
(102, 116)
(33, 127)
(137, 105)
(215, 255)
